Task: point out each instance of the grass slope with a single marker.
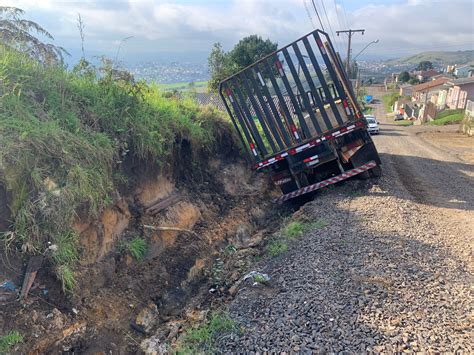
(64, 137)
(448, 117)
(438, 57)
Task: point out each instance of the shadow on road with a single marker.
(432, 182)
(354, 286)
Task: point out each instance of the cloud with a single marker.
(179, 26)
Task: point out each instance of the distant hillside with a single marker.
(439, 57)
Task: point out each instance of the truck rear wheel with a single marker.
(376, 171)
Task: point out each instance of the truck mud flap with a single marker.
(345, 175)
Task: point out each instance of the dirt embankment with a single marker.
(198, 225)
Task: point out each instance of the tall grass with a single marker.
(65, 136)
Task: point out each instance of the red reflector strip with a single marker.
(270, 161)
(307, 160)
(321, 46)
(252, 148)
(293, 151)
(346, 106)
(345, 175)
(229, 95)
(295, 131)
(280, 68)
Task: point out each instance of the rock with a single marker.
(242, 236)
(148, 317)
(153, 346)
(57, 319)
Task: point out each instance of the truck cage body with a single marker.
(295, 97)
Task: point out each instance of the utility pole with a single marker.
(350, 32)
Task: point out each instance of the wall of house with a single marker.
(458, 96)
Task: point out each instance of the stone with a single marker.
(148, 317)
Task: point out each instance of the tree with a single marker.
(219, 66)
(15, 32)
(424, 65)
(250, 49)
(223, 64)
(404, 76)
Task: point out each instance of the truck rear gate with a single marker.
(285, 99)
(290, 102)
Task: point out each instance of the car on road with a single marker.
(372, 124)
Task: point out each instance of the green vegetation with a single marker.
(199, 86)
(137, 248)
(368, 110)
(16, 33)
(259, 279)
(296, 229)
(201, 339)
(293, 230)
(66, 138)
(448, 117)
(404, 123)
(424, 65)
(442, 58)
(389, 100)
(7, 341)
(404, 76)
(277, 246)
(223, 64)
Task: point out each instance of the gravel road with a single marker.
(392, 271)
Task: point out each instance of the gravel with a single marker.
(392, 272)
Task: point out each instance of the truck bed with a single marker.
(292, 97)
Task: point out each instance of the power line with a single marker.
(329, 23)
(337, 15)
(344, 13)
(309, 14)
(317, 13)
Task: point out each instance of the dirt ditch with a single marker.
(202, 228)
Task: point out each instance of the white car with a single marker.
(373, 125)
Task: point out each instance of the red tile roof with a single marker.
(430, 84)
(429, 73)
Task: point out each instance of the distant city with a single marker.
(170, 72)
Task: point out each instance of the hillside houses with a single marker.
(424, 101)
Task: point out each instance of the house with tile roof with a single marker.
(423, 92)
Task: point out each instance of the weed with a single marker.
(216, 272)
(201, 339)
(230, 249)
(138, 248)
(293, 230)
(259, 279)
(7, 341)
(276, 247)
(67, 277)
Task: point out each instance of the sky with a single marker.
(187, 29)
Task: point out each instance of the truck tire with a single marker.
(376, 171)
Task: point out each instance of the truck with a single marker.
(298, 118)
